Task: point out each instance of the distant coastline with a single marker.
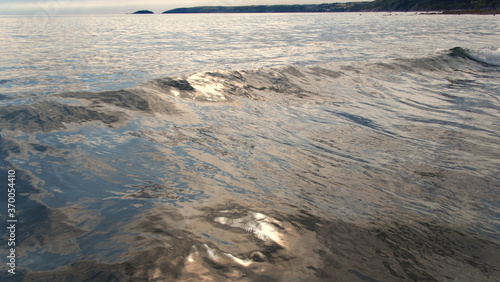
(449, 7)
(436, 6)
(299, 8)
(471, 12)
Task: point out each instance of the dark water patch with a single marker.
(427, 64)
(362, 276)
(358, 119)
(429, 174)
(461, 83)
(179, 84)
(364, 122)
(136, 99)
(331, 153)
(451, 124)
(3, 97)
(423, 106)
(4, 81)
(155, 190)
(48, 116)
(293, 71)
(40, 148)
(122, 98)
(325, 72)
(173, 191)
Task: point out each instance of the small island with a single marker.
(143, 12)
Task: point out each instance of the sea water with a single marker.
(252, 147)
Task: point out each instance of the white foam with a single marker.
(487, 55)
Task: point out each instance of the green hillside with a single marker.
(374, 6)
(432, 5)
(308, 8)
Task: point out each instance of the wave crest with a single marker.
(489, 56)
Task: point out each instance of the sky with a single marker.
(61, 7)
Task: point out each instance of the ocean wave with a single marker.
(266, 174)
(318, 84)
(307, 81)
(490, 56)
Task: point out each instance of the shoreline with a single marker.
(471, 12)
